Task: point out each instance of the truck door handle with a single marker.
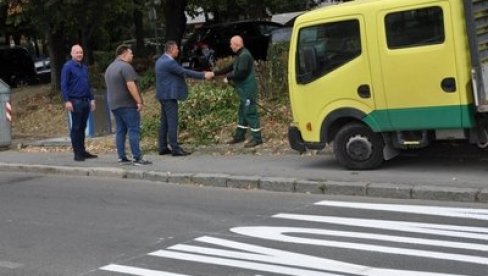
(448, 85)
(364, 91)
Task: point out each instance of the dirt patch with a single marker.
(36, 115)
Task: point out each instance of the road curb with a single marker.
(483, 196)
(276, 184)
(401, 191)
(447, 194)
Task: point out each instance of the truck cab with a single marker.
(373, 77)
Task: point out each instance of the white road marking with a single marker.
(254, 257)
(283, 270)
(263, 254)
(138, 271)
(279, 234)
(403, 226)
(479, 214)
(270, 231)
(10, 265)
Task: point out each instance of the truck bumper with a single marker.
(296, 141)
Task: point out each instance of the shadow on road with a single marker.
(438, 157)
(444, 155)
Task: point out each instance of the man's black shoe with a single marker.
(252, 144)
(79, 158)
(88, 155)
(165, 151)
(234, 141)
(179, 152)
(124, 161)
(141, 162)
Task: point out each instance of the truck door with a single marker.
(418, 67)
(332, 72)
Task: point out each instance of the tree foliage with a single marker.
(174, 12)
(232, 10)
(63, 23)
(97, 24)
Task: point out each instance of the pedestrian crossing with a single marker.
(332, 238)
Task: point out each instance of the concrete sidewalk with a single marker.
(408, 177)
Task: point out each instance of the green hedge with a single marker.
(273, 74)
(210, 108)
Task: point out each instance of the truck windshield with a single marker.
(325, 47)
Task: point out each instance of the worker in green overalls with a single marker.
(241, 74)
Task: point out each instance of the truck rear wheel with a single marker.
(357, 147)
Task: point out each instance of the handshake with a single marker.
(210, 75)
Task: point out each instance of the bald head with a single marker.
(236, 43)
(77, 53)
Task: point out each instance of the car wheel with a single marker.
(357, 147)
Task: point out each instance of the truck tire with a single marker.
(357, 147)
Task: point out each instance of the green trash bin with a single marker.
(5, 115)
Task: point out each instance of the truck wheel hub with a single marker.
(359, 148)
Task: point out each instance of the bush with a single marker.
(150, 125)
(273, 73)
(103, 59)
(210, 109)
(147, 80)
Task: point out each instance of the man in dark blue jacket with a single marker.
(171, 88)
(78, 99)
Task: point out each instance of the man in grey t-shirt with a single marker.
(125, 102)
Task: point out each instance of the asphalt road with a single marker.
(102, 226)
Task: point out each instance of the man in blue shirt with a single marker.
(78, 99)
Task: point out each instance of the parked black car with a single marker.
(283, 34)
(16, 66)
(210, 42)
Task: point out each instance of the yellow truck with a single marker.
(373, 77)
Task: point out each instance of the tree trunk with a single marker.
(57, 55)
(36, 47)
(175, 20)
(87, 43)
(139, 32)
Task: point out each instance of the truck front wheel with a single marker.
(357, 147)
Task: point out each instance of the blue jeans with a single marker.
(127, 122)
(168, 129)
(79, 118)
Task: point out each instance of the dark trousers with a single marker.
(168, 129)
(79, 118)
(248, 117)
